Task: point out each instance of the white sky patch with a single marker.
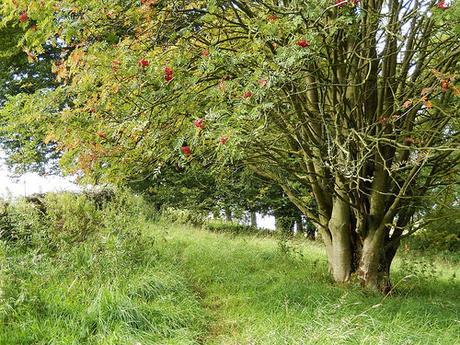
(31, 183)
(265, 221)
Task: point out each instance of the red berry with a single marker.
(272, 18)
(247, 94)
(442, 5)
(205, 53)
(144, 63)
(303, 43)
(223, 140)
(169, 74)
(199, 123)
(186, 150)
(23, 17)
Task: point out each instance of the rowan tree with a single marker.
(351, 103)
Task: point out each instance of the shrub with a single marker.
(232, 228)
(22, 222)
(444, 240)
(57, 219)
(71, 217)
(183, 216)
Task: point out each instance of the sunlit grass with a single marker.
(259, 295)
(179, 285)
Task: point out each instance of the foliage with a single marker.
(204, 188)
(63, 219)
(233, 228)
(172, 215)
(24, 72)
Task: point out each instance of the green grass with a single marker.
(178, 285)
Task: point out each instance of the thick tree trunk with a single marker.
(340, 251)
(370, 268)
(370, 257)
(341, 257)
(370, 260)
(365, 251)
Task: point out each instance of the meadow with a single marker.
(156, 282)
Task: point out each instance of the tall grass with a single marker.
(132, 281)
(259, 294)
(79, 274)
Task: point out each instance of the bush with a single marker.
(435, 240)
(232, 228)
(441, 235)
(22, 222)
(57, 219)
(182, 216)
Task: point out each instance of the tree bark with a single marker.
(253, 216)
(369, 256)
(341, 252)
(370, 270)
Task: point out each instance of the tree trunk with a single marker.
(341, 251)
(370, 270)
(253, 217)
(228, 214)
(216, 214)
(365, 251)
(371, 260)
(341, 257)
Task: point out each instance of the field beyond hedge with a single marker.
(173, 284)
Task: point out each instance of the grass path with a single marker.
(258, 295)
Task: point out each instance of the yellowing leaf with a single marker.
(428, 104)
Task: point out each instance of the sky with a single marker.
(30, 183)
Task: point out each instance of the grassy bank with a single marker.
(178, 285)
